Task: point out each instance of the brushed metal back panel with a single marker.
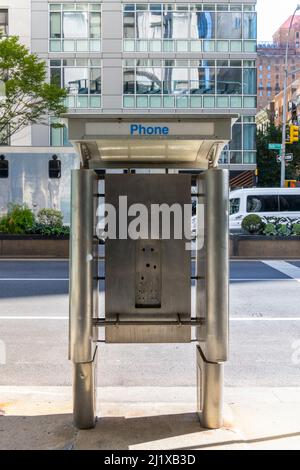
(147, 285)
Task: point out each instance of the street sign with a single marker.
(288, 158)
(275, 146)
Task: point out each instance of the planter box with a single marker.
(241, 246)
(261, 247)
(33, 246)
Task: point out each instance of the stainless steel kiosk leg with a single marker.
(83, 287)
(212, 296)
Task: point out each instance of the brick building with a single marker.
(271, 59)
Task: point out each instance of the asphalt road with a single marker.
(264, 331)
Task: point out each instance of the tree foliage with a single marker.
(29, 98)
(268, 167)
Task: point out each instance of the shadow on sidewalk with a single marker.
(180, 431)
(110, 433)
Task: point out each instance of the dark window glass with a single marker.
(236, 141)
(229, 81)
(129, 81)
(289, 203)
(234, 206)
(55, 76)
(266, 203)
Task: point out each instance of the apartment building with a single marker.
(133, 58)
(271, 61)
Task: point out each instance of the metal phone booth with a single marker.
(148, 280)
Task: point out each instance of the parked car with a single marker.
(266, 202)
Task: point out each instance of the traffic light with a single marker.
(54, 168)
(294, 134)
(4, 166)
(290, 183)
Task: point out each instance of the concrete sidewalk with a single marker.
(149, 418)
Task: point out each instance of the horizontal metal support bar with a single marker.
(102, 322)
(192, 194)
(193, 278)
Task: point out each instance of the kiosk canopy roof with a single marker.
(187, 141)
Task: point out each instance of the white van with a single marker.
(266, 202)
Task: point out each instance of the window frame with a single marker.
(63, 44)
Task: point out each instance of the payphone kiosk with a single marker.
(148, 249)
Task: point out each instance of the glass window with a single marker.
(202, 25)
(55, 76)
(229, 81)
(95, 81)
(236, 141)
(289, 203)
(250, 81)
(148, 80)
(236, 158)
(128, 81)
(234, 205)
(59, 137)
(265, 203)
(55, 25)
(229, 25)
(71, 21)
(80, 77)
(75, 24)
(249, 137)
(3, 22)
(76, 80)
(176, 25)
(250, 25)
(176, 80)
(95, 25)
(203, 81)
(148, 25)
(128, 26)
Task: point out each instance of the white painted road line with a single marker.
(267, 319)
(285, 268)
(262, 280)
(234, 319)
(16, 317)
(20, 279)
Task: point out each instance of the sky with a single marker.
(271, 14)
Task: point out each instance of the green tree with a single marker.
(268, 167)
(29, 99)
